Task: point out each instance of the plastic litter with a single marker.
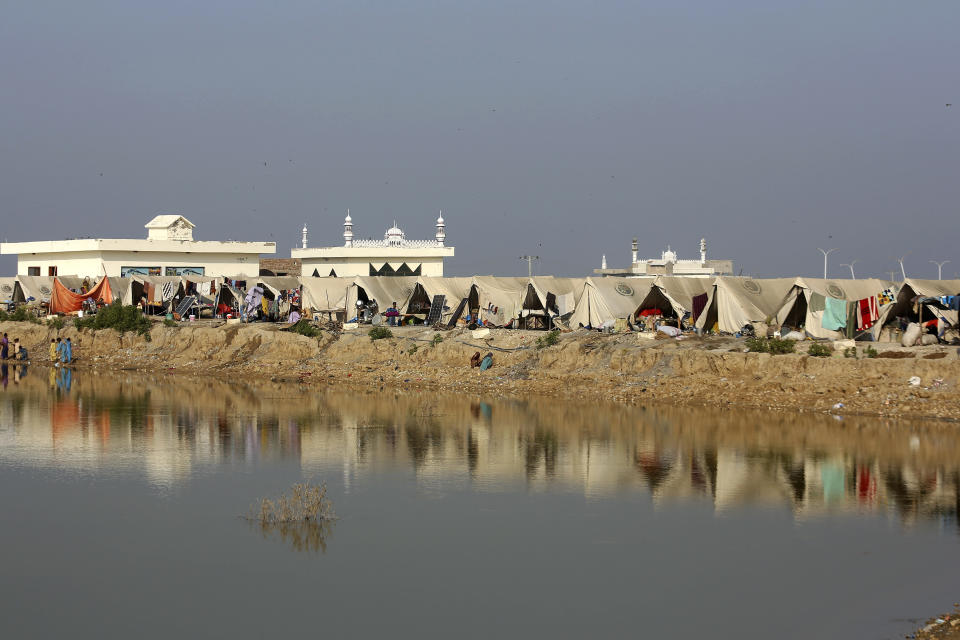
(794, 335)
(839, 405)
(914, 381)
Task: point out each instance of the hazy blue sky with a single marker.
(551, 127)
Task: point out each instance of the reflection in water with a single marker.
(301, 536)
(167, 429)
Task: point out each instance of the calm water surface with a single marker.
(121, 500)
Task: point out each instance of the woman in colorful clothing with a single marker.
(4, 347)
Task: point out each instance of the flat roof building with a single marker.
(169, 249)
(392, 256)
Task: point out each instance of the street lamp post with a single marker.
(852, 262)
(903, 271)
(939, 268)
(825, 254)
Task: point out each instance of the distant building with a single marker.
(169, 249)
(392, 256)
(669, 265)
(279, 267)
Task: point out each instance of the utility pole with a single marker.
(939, 268)
(892, 274)
(852, 262)
(529, 260)
(825, 254)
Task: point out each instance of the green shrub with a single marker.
(819, 350)
(437, 339)
(850, 352)
(20, 314)
(56, 322)
(379, 333)
(548, 340)
(167, 322)
(304, 328)
(773, 346)
(412, 350)
(870, 352)
(117, 317)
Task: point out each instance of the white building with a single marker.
(668, 264)
(392, 256)
(169, 249)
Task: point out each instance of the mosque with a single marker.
(395, 255)
(668, 264)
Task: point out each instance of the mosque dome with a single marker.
(670, 255)
(394, 235)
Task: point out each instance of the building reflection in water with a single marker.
(167, 429)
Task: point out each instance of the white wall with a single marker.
(87, 263)
(347, 267)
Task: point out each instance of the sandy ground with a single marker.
(582, 365)
(942, 627)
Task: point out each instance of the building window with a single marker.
(184, 271)
(51, 271)
(33, 271)
(140, 271)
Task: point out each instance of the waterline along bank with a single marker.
(919, 382)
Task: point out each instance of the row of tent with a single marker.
(723, 303)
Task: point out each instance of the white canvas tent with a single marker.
(736, 301)
(454, 289)
(681, 291)
(915, 287)
(796, 310)
(601, 300)
(37, 288)
(326, 295)
(121, 290)
(275, 284)
(499, 299)
(10, 290)
(383, 289)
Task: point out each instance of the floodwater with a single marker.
(121, 500)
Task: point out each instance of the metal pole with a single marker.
(825, 254)
(939, 268)
(852, 262)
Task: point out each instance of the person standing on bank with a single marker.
(68, 352)
(53, 349)
(4, 347)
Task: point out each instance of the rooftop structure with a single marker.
(669, 264)
(394, 255)
(169, 249)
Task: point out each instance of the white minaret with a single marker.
(441, 229)
(633, 260)
(703, 251)
(603, 262)
(303, 237)
(348, 230)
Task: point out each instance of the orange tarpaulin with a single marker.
(62, 300)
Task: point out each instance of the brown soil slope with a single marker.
(713, 371)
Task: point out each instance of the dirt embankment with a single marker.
(590, 366)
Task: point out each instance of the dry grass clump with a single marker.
(305, 503)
